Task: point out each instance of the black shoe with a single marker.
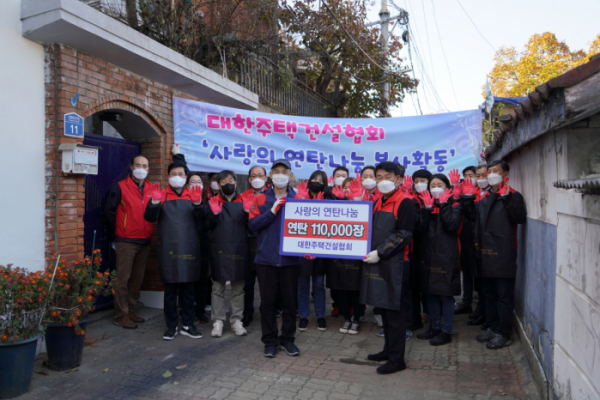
(170, 334)
(428, 334)
(498, 342)
(270, 351)
(442, 338)
(202, 318)
(416, 325)
(191, 332)
(485, 326)
(462, 308)
(247, 320)
(378, 357)
(303, 325)
(321, 324)
(290, 348)
(475, 314)
(485, 337)
(277, 313)
(475, 322)
(390, 367)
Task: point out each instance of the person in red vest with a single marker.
(124, 212)
(394, 221)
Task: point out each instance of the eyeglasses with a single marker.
(196, 182)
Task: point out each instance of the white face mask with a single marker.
(494, 179)
(280, 180)
(386, 186)
(214, 186)
(369, 184)
(139, 173)
(483, 183)
(257, 183)
(339, 181)
(419, 187)
(176, 182)
(436, 192)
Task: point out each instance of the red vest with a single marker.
(130, 212)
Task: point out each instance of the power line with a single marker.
(427, 36)
(488, 42)
(444, 53)
(414, 77)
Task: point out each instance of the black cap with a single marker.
(281, 161)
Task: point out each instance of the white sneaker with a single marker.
(238, 328)
(378, 320)
(217, 329)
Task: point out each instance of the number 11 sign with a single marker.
(326, 228)
(73, 125)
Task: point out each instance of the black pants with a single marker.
(249, 292)
(347, 299)
(185, 292)
(499, 300)
(415, 291)
(394, 329)
(406, 297)
(273, 282)
(478, 286)
(334, 297)
(202, 294)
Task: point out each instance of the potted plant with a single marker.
(76, 287)
(22, 298)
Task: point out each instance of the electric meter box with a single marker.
(79, 158)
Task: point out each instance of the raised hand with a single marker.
(457, 190)
(248, 201)
(156, 192)
(330, 179)
(280, 202)
(320, 196)
(338, 192)
(376, 195)
(504, 188)
(215, 205)
(454, 177)
(358, 177)
(427, 198)
(357, 190)
(196, 194)
(302, 191)
(175, 149)
(445, 196)
(407, 184)
(468, 188)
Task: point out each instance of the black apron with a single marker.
(178, 244)
(204, 238)
(381, 283)
(344, 274)
(229, 244)
(495, 240)
(313, 267)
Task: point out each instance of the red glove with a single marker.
(454, 177)
(407, 184)
(196, 194)
(156, 192)
(376, 195)
(445, 196)
(215, 205)
(280, 202)
(302, 191)
(320, 196)
(457, 190)
(309, 257)
(248, 201)
(338, 192)
(358, 177)
(504, 188)
(468, 188)
(357, 190)
(427, 198)
(330, 179)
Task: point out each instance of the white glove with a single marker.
(175, 149)
(372, 257)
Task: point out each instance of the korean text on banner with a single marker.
(214, 138)
(326, 228)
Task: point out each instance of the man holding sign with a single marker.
(394, 220)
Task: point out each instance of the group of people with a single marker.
(426, 229)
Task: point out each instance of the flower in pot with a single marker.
(23, 296)
(76, 287)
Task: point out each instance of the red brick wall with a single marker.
(101, 86)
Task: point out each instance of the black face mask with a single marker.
(228, 189)
(315, 187)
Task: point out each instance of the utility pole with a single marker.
(384, 21)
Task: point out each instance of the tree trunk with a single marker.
(131, 9)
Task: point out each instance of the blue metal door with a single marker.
(113, 165)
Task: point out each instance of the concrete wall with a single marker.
(22, 146)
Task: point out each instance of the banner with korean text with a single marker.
(214, 138)
(326, 228)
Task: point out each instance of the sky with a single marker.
(458, 75)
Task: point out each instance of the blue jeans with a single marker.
(318, 286)
(441, 306)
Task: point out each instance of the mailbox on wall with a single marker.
(79, 159)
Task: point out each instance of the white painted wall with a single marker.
(22, 118)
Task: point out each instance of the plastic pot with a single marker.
(16, 367)
(64, 347)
